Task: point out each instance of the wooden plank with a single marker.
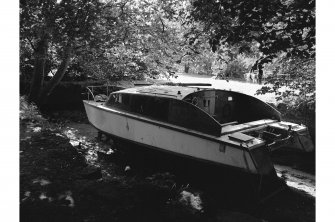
(240, 137)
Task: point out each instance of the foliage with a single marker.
(26, 61)
(61, 23)
(265, 28)
(197, 53)
(235, 69)
(276, 25)
(277, 31)
(113, 40)
(295, 89)
(219, 59)
(29, 111)
(104, 39)
(52, 33)
(293, 78)
(148, 40)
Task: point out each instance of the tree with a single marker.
(276, 26)
(293, 81)
(55, 30)
(109, 39)
(150, 35)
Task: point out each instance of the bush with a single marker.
(235, 69)
(299, 110)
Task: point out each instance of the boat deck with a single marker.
(228, 129)
(176, 92)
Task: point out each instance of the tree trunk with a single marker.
(260, 74)
(208, 67)
(186, 67)
(39, 69)
(47, 89)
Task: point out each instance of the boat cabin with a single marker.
(203, 110)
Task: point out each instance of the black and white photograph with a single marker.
(166, 110)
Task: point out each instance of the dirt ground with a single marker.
(62, 180)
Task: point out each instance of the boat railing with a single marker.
(228, 123)
(99, 93)
(89, 92)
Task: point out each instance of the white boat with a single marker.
(220, 127)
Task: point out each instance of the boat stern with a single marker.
(299, 135)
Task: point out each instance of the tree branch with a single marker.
(47, 89)
(120, 5)
(162, 24)
(31, 43)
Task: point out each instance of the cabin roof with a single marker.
(176, 92)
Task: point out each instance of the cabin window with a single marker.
(111, 100)
(176, 112)
(231, 106)
(119, 101)
(126, 99)
(161, 109)
(195, 101)
(150, 106)
(206, 103)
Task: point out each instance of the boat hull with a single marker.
(176, 140)
(238, 187)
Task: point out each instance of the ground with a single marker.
(66, 177)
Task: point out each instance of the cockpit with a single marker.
(231, 107)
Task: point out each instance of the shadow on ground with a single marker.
(62, 182)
